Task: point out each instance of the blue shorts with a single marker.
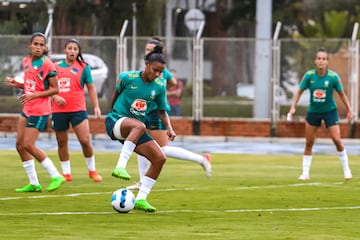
(61, 121)
(330, 118)
(109, 125)
(153, 121)
(38, 122)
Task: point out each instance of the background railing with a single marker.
(227, 69)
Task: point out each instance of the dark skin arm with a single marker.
(114, 97)
(165, 119)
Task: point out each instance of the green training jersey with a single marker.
(136, 95)
(166, 76)
(321, 90)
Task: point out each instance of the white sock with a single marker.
(66, 167)
(143, 165)
(126, 151)
(343, 157)
(306, 164)
(145, 188)
(50, 168)
(90, 162)
(182, 154)
(30, 170)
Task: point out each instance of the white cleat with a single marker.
(136, 186)
(304, 177)
(206, 164)
(347, 174)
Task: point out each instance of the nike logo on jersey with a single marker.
(133, 87)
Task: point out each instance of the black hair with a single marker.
(321, 49)
(156, 55)
(39, 34)
(79, 57)
(155, 40)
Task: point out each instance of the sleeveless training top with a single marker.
(71, 87)
(35, 80)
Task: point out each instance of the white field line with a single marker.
(269, 210)
(178, 189)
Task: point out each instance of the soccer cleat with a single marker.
(347, 174)
(206, 164)
(121, 173)
(55, 183)
(304, 177)
(67, 177)
(136, 186)
(30, 188)
(95, 176)
(142, 204)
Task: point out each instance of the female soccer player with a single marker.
(322, 82)
(40, 82)
(157, 130)
(135, 90)
(69, 107)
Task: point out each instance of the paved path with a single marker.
(207, 144)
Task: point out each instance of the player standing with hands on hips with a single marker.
(321, 83)
(69, 107)
(135, 90)
(40, 82)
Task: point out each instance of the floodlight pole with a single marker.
(48, 32)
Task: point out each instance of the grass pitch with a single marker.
(248, 197)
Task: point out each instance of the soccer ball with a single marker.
(122, 200)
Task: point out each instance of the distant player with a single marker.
(40, 82)
(322, 82)
(69, 108)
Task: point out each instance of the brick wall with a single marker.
(213, 127)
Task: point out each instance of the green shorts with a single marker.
(153, 121)
(330, 118)
(61, 121)
(109, 126)
(38, 122)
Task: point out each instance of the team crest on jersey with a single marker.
(326, 84)
(74, 71)
(139, 105)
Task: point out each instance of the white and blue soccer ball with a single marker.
(123, 200)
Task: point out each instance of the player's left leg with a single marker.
(82, 132)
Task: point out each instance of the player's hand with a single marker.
(27, 97)
(9, 81)
(171, 134)
(349, 116)
(97, 112)
(60, 101)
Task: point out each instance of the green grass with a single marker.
(248, 197)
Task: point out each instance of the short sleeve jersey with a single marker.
(36, 74)
(136, 95)
(321, 90)
(71, 79)
(165, 77)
